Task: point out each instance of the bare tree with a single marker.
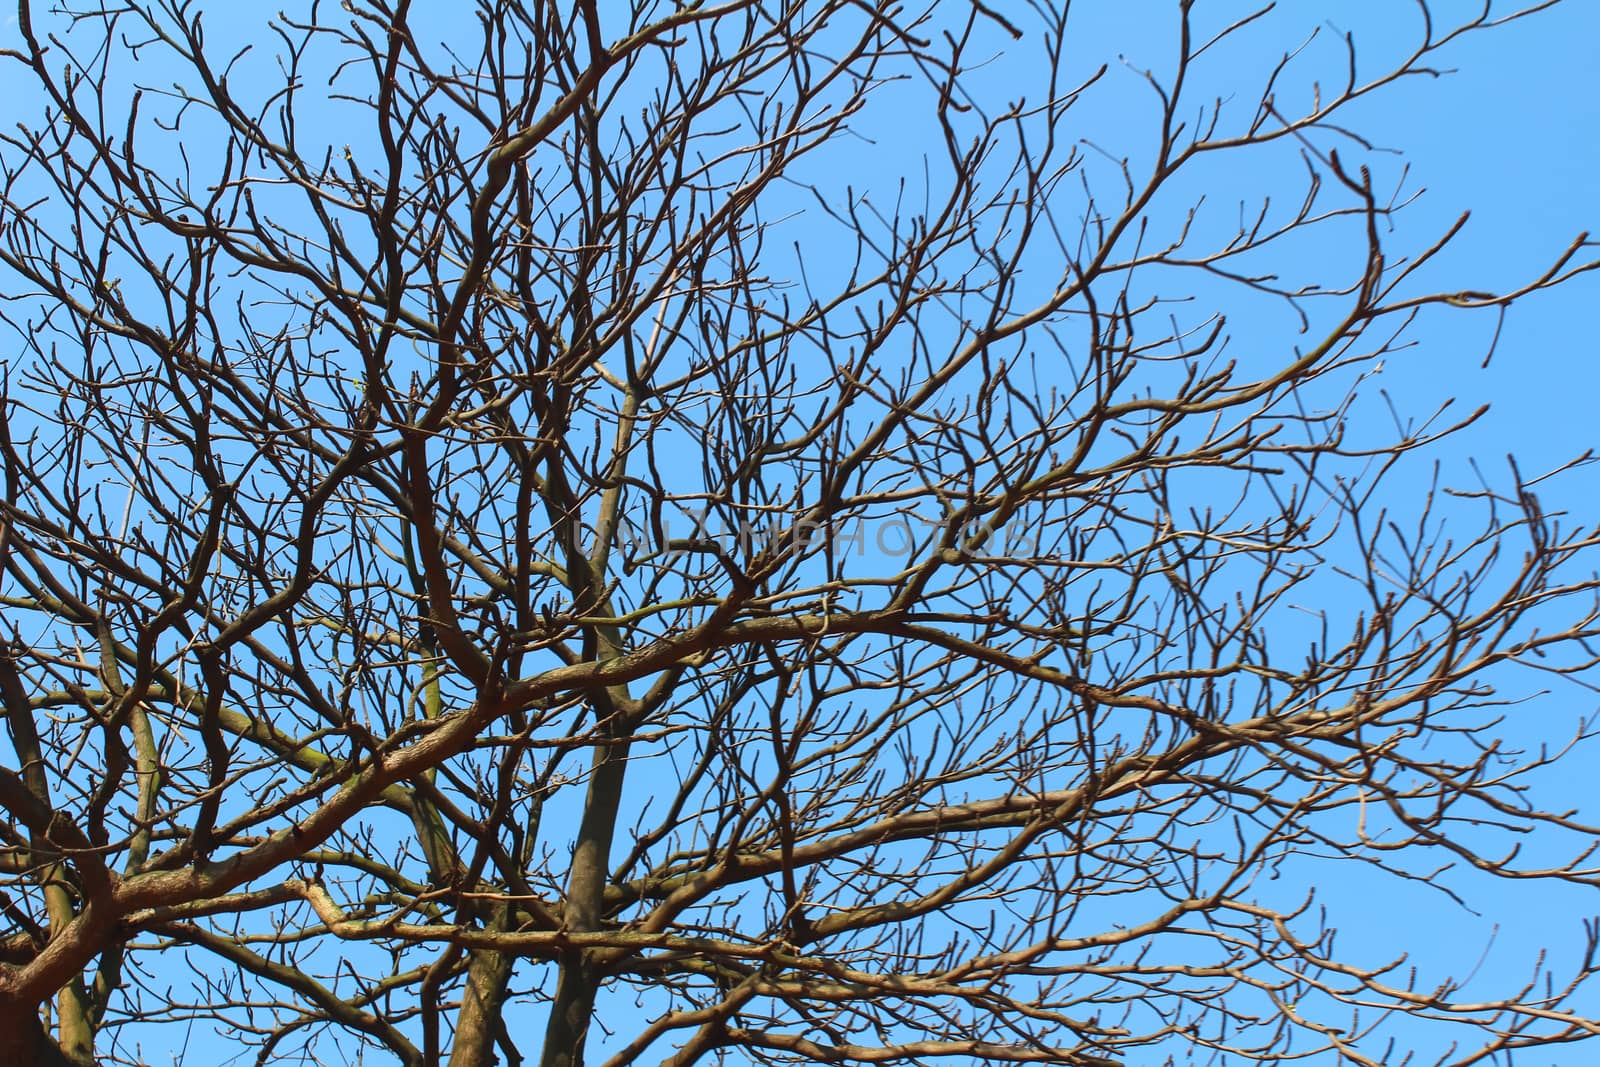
(508, 544)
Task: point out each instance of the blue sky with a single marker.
(1513, 136)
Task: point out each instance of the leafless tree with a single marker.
(508, 543)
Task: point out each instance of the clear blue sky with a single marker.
(1514, 136)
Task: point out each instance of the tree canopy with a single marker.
(817, 531)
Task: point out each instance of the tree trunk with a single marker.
(24, 1042)
(481, 1005)
(576, 986)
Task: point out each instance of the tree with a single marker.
(508, 546)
